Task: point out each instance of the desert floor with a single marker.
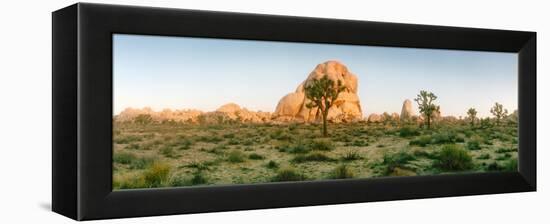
(173, 154)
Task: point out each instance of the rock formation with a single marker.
(227, 113)
(346, 108)
(374, 118)
(129, 114)
(407, 110)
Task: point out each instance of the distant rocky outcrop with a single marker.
(374, 118)
(227, 113)
(129, 114)
(407, 110)
(346, 108)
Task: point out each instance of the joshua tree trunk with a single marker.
(325, 133)
(429, 121)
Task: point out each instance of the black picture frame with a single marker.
(82, 111)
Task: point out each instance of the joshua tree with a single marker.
(322, 93)
(426, 106)
(499, 112)
(472, 115)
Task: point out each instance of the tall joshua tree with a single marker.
(472, 115)
(322, 93)
(499, 112)
(426, 106)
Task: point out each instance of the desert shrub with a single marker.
(484, 156)
(321, 145)
(288, 174)
(473, 145)
(142, 162)
(394, 160)
(380, 145)
(156, 175)
(126, 139)
(511, 165)
(422, 153)
(256, 156)
(200, 166)
(297, 148)
(312, 157)
(454, 158)
(444, 138)
(233, 142)
(229, 135)
(272, 165)
(350, 156)
(235, 156)
(168, 152)
(505, 150)
(360, 142)
(218, 149)
(503, 156)
(132, 146)
(123, 157)
(280, 134)
(408, 131)
(211, 139)
(184, 144)
(421, 141)
(342, 172)
(198, 178)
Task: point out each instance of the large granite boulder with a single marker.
(346, 108)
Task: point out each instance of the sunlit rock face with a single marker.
(407, 112)
(346, 108)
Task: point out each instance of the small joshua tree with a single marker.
(322, 93)
(472, 115)
(499, 112)
(426, 106)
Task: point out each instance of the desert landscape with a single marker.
(317, 132)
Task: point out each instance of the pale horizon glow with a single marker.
(203, 73)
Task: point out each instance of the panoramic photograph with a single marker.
(209, 112)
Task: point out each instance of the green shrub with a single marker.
(132, 146)
(351, 155)
(156, 175)
(360, 142)
(312, 157)
(123, 157)
(198, 178)
(342, 172)
(395, 160)
(421, 141)
(484, 156)
(272, 165)
(168, 152)
(511, 165)
(142, 162)
(235, 156)
(126, 139)
(444, 138)
(454, 158)
(256, 156)
(408, 131)
(288, 174)
(473, 145)
(184, 144)
(321, 145)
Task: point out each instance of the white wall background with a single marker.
(25, 112)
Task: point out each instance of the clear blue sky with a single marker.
(201, 73)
